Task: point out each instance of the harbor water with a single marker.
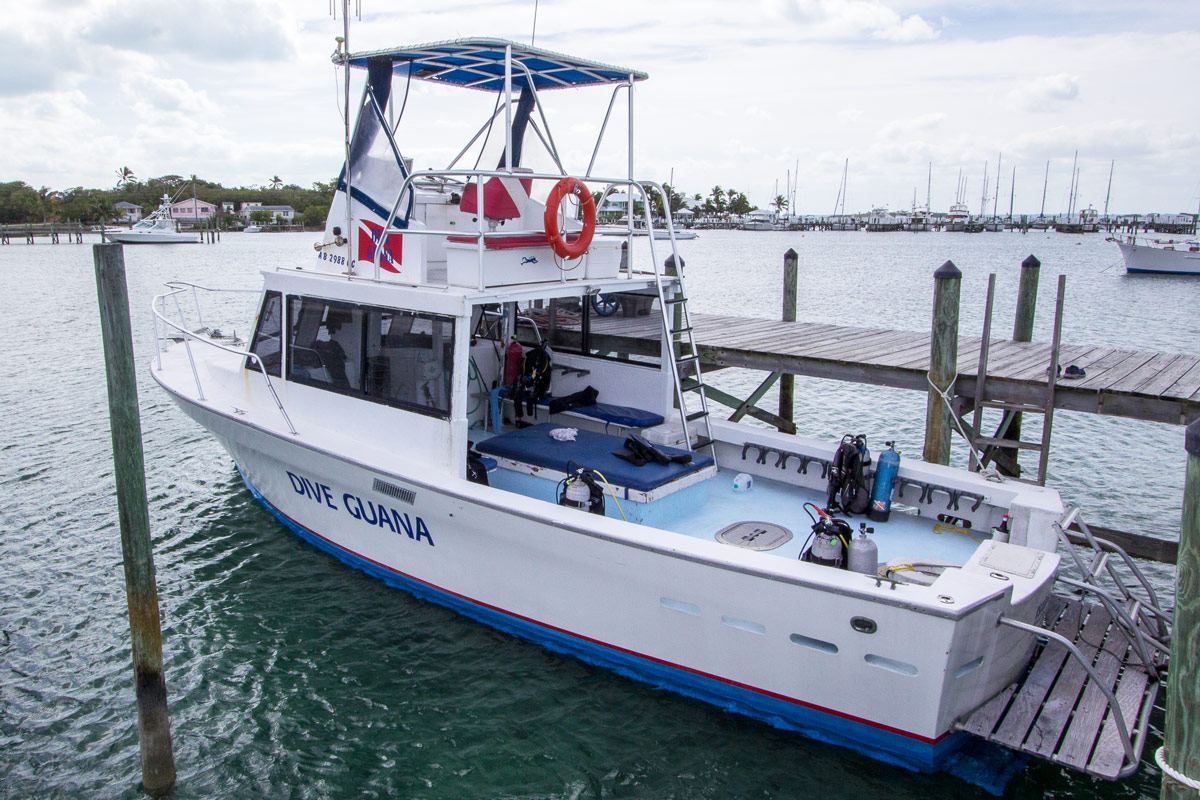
(292, 675)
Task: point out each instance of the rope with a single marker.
(1175, 774)
(990, 473)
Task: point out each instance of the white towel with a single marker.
(565, 434)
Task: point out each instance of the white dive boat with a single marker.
(157, 228)
(252, 229)
(360, 415)
(1171, 256)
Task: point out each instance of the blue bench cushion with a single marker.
(534, 445)
(627, 416)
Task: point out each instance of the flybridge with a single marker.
(480, 64)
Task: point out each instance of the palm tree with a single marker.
(780, 204)
(717, 198)
(124, 176)
(47, 197)
(276, 182)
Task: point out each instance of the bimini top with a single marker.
(479, 64)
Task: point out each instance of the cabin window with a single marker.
(399, 358)
(325, 344)
(268, 335)
(623, 326)
(409, 360)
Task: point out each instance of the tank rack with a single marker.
(927, 490)
(784, 456)
(953, 496)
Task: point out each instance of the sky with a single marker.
(745, 94)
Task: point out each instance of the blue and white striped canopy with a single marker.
(479, 64)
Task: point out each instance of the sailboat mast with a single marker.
(1012, 193)
(1108, 193)
(1071, 196)
(983, 194)
(928, 186)
(996, 199)
(1045, 183)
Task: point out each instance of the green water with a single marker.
(292, 675)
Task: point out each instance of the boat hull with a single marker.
(655, 612)
(1139, 258)
(129, 237)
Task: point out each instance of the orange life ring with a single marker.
(587, 205)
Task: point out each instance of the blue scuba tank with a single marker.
(886, 470)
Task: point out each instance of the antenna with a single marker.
(533, 35)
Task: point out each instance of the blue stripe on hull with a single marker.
(956, 753)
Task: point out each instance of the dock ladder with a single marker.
(1086, 699)
(998, 446)
(685, 355)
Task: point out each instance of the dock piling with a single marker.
(1181, 738)
(787, 382)
(943, 359)
(154, 730)
(1022, 332)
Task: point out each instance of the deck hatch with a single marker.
(406, 495)
(754, 535)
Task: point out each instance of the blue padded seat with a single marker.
(534, 445)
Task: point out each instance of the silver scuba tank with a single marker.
(864, 554)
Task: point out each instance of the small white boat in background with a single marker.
(1168, 256)
(158, 228)
(252, 229)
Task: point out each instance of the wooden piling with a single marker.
(943, 358)
(154, 730)
(1022, 332)
(787, 383)
(1181, 739)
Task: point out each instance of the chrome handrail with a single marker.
(157, 306)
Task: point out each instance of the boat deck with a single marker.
(705, 508)
(1057, 712)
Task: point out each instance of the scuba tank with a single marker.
(887, 469)
(583, 492)
(863, 554)
(512, 361)
(828, 536)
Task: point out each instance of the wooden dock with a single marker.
(1159, 387)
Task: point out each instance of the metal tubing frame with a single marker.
(180, 286)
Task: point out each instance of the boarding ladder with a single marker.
(685, 355)
(1001, 444)
(1086, 698)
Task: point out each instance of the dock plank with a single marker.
(1110, 755)
(1160, 383)
(1146, 372)
(1029, 701)
(1093, 705)
(1044, 737)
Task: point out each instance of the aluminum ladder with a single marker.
(684, 354)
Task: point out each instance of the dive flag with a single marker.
(369, 234)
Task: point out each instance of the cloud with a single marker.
(219, 30)
(151, 96)
(1047, 92)
(853, 19)
(31, 65)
